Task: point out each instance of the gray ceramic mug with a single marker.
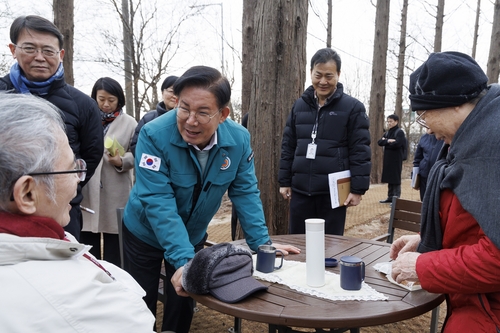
(266, 258)
(352, 272)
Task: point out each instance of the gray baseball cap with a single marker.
(223, 270)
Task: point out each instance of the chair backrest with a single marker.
(405, 214)
(119, 220)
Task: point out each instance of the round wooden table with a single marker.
(283, 307)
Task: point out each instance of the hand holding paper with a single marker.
(340, 187)
(112, 145)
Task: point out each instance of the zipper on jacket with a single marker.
(484, 308)
(197, 188)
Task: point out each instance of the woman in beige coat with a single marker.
(109, 188)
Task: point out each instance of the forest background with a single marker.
(193, 29)
(256, 43)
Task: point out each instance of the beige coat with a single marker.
(109, 188)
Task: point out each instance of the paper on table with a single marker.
(293, 275)
(386, 268)
(340, 187)
(112, 145)
(415, 178)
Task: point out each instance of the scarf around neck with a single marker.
(108, 118)
(30, 226)
(470, 168)
(25, 86)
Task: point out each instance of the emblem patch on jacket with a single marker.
(226, 164)
(150, 162)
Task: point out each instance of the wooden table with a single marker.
(282, 307)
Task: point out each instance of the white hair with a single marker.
(28, 141)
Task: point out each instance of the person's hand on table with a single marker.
(404, 244)
(404, 268)
(352, 200)
(286, 192)
(286, 248)
(177, 282)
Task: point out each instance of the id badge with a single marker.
(311, 151)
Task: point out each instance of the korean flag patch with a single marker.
(150, 162)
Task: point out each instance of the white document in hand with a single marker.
(339, 181)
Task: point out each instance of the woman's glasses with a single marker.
(420, 120)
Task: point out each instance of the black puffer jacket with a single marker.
(82, 118)
(343, 143)
(151, 115)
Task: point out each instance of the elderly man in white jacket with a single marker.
(49, 282)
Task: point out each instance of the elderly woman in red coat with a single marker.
(458, 250)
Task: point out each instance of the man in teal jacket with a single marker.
(185, 162)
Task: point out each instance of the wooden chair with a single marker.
(405, 215)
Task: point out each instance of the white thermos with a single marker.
(315, 252)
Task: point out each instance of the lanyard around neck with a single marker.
(315, 127)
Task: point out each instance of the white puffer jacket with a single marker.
(46, 285)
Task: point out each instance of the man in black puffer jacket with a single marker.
(169, 101)
(37, 45)
(326, 132)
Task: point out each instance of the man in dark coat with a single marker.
(326, 132)
(37, 45)
(393, 142)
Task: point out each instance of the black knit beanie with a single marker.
(446, 79)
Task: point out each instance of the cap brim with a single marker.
(237, 290)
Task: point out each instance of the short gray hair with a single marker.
(27, 141)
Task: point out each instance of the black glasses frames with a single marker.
(80, 170)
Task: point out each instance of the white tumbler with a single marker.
(315, 252)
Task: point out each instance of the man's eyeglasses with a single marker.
(80, 170)
(28, 49)
(420, 120)
(201, 117)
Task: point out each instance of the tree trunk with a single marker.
(377, 92)
(247, 70)
(401, 62)
(476, 29)
(493, 70)
(127, 61)
(248, 50)
(64, 20)
(438, 37)
(329, 25)
(280, 42)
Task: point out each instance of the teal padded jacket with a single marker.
(160, 208)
